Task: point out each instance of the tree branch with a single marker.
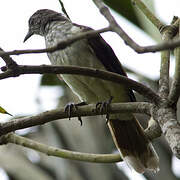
(175, 87)
(168, 32)
(116, 28)
(61, 45)
(113, 27)
(64, 43)
(169, 45)
(114, 77)
(10, 63)
(52, 151)
(87, 110)
(164, 74)
(166, 113)
(170, 127)
(63, 8)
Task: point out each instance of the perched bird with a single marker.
(94, 52)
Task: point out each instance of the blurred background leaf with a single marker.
(50, 80)
(3, 111)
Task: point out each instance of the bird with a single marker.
(94, 52)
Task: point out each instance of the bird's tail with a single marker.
(134, 147)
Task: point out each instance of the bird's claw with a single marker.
(80, 120)
(72, 107)
(69, 108)
(104, 107)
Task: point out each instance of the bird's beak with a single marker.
(28, 35)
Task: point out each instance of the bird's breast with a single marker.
(88, 89)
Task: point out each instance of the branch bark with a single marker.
(52, 151)
(170, 127)
(168, 33)
(87, 110)
(175, 87)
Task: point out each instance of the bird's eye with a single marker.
(32, 22)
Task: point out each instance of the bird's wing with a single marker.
(106, 55)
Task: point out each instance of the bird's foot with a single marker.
(72, 107)
(104, 107)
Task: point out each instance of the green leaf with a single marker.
(51, 80)
(125, 9)
(3, 111)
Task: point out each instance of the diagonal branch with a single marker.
(114, 77)
(63, 44)
(169, 45)
(113, 27)
(10, 63)
(63, 8)
(116, 28)
(87, 110)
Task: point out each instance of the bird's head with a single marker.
(39, 20)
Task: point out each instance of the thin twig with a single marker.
(61, 45)
(63, 8)
(114, 25)
(110, 76)
(64, 43)
(164, 75)
(169, 45)
(87, 110)
(167, 34)
(52, 151)
(10, 63)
